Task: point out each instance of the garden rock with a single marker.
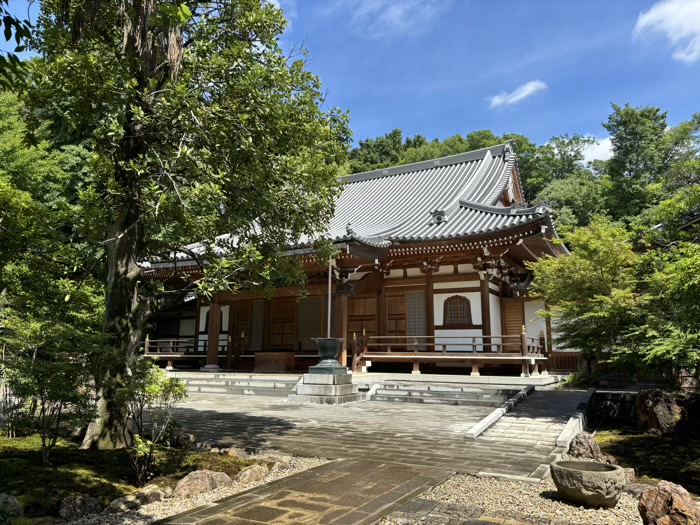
(215, 451)
(150, 494)
(122, 504)
(200, 481)
(668, 504)
(583, 446)
(234, 453)
(658, 411)
(252, 474)
(9, 508)
(74, 507)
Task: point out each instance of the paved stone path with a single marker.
(391, 452)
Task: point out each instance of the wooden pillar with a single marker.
(429, 305)
(382, 319)
(267, 322)
(197, 313)
(214, 328)
(340, 324)
(485, 311)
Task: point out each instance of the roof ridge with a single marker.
(459, 158)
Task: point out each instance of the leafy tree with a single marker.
(575, 199)
(198, 125)
(591, 291)
(11, 68)
(646, 150)
(377, 153)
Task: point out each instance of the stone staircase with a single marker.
(441, 394)
(237, 384)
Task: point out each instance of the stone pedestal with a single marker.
(326, 389)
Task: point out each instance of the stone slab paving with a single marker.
(387, 453)
(342, 492)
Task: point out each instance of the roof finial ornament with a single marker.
(349, 230)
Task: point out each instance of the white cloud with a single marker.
(518, 94)
(385, 18)
(679, 20)
(602, 150)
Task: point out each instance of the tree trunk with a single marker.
(123, 324)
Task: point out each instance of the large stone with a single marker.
(583, 446)
(148, 494)
(668, 504)
(589, 483)
(201, 481)
(9, 508)
(252, 474)
(74, 507)
(659, 411)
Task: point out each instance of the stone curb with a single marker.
(498, 413)
(576, 423)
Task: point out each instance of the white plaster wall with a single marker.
(439, 305)
(465, 268)
(187, 327)
(224, 317)
(464, 334)
(203, 318)
(495, 304)
(534, 324)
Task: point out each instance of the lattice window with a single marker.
(458, 311)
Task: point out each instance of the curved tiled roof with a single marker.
(445, 198)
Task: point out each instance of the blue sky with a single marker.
(434, 66)
(538, 67)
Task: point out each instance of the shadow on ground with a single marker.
(232, 428)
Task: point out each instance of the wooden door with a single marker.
(362, 315)
(396, 315)
(283, 324)
(513, 321)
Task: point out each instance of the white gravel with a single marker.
(147, 514)
(518, 501)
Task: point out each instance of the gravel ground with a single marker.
(525, 502)
(147, 514)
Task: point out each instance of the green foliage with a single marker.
(646, 151)
(148, 388)
(591, 291)
(655, 457)
(105, 475)
(575, 199)
(13, 28)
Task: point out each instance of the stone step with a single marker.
(240, 390)
(237, 383)
(439, 394)
(439, 400)
(446, 387)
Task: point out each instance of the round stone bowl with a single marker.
(588, 483)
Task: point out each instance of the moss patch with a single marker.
(103, 474)
(655, 457)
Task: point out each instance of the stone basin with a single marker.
(588, 483)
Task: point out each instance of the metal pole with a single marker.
(330, 270)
